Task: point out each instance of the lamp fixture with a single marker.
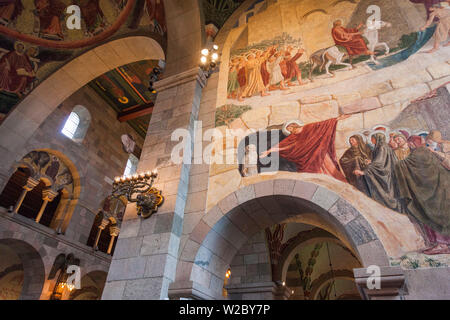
(154, 76)
(138, 188)
(209, 60)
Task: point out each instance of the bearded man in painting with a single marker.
(350, 39)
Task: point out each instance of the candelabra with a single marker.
(209, 60)
(139, 189)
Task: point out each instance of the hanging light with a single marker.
(209, 59)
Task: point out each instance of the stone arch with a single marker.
(70, 193)
(33, 268)
(209, 250)
(29, 114)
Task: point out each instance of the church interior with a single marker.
(224, 150)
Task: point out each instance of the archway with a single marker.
(44, 185)
(209, 250)
(24, 277)
(28, 115)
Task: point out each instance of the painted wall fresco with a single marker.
(35, 39)
(365, 105)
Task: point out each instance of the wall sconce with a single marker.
(138, 188)
(154, 76)
(228, 274)
(209, 60)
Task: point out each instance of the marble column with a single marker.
(30, 185)
(146, 254)
(48, 195)
(114, 232)
(101, 227)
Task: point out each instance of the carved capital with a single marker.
(114, 231)
(49, 195)
(183, 77)
(103, 225)
(31, 184)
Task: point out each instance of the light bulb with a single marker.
(203, 60)
(205, 52)
(215, 47)
(215, 56)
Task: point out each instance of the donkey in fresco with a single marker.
(371, 33)
(333, 56)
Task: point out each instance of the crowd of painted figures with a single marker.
(260, 71)
(407, 173)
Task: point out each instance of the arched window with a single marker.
(71, 125)
(132, 165)
(77, 124)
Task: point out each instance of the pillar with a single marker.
(30, 185)
(114, 232)
(146, 254)
(60, 215)
(48, 195)
(101, 227)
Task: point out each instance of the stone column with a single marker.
(391, 282)
(31, 184)
(258, 291)
(62, 215)
(146, 254)
(101, 227)
(48, 195)
(114, 232)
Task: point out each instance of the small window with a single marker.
(71, 125)
(77, 124)
(132, 165)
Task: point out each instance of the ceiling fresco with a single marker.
(36, 37)
(217, 12)
(125, 89)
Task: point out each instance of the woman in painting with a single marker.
(276, 79)
(50, 13)
(378, 178)
(233, 84)
(9, 10)
(424, 190)
(242, 77)
(16, 70)
(358, 157)
(443, 25)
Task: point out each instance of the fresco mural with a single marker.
(359, 101)
(35, 39)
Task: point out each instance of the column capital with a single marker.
(103, 225)
(49, 195)
(114, 231)
(31, 184)
(183, 77)
(391, 283)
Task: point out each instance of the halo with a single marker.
(386, 128)
(287, 124)
(379, 131)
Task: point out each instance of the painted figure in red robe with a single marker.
(350, 39)
(311, 147)
(16, 70)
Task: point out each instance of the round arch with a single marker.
(30, 113)
(33, 268)
(92, 285)
(256, 207)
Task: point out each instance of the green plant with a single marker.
(227, 113)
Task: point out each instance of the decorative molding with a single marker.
(181, 78)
